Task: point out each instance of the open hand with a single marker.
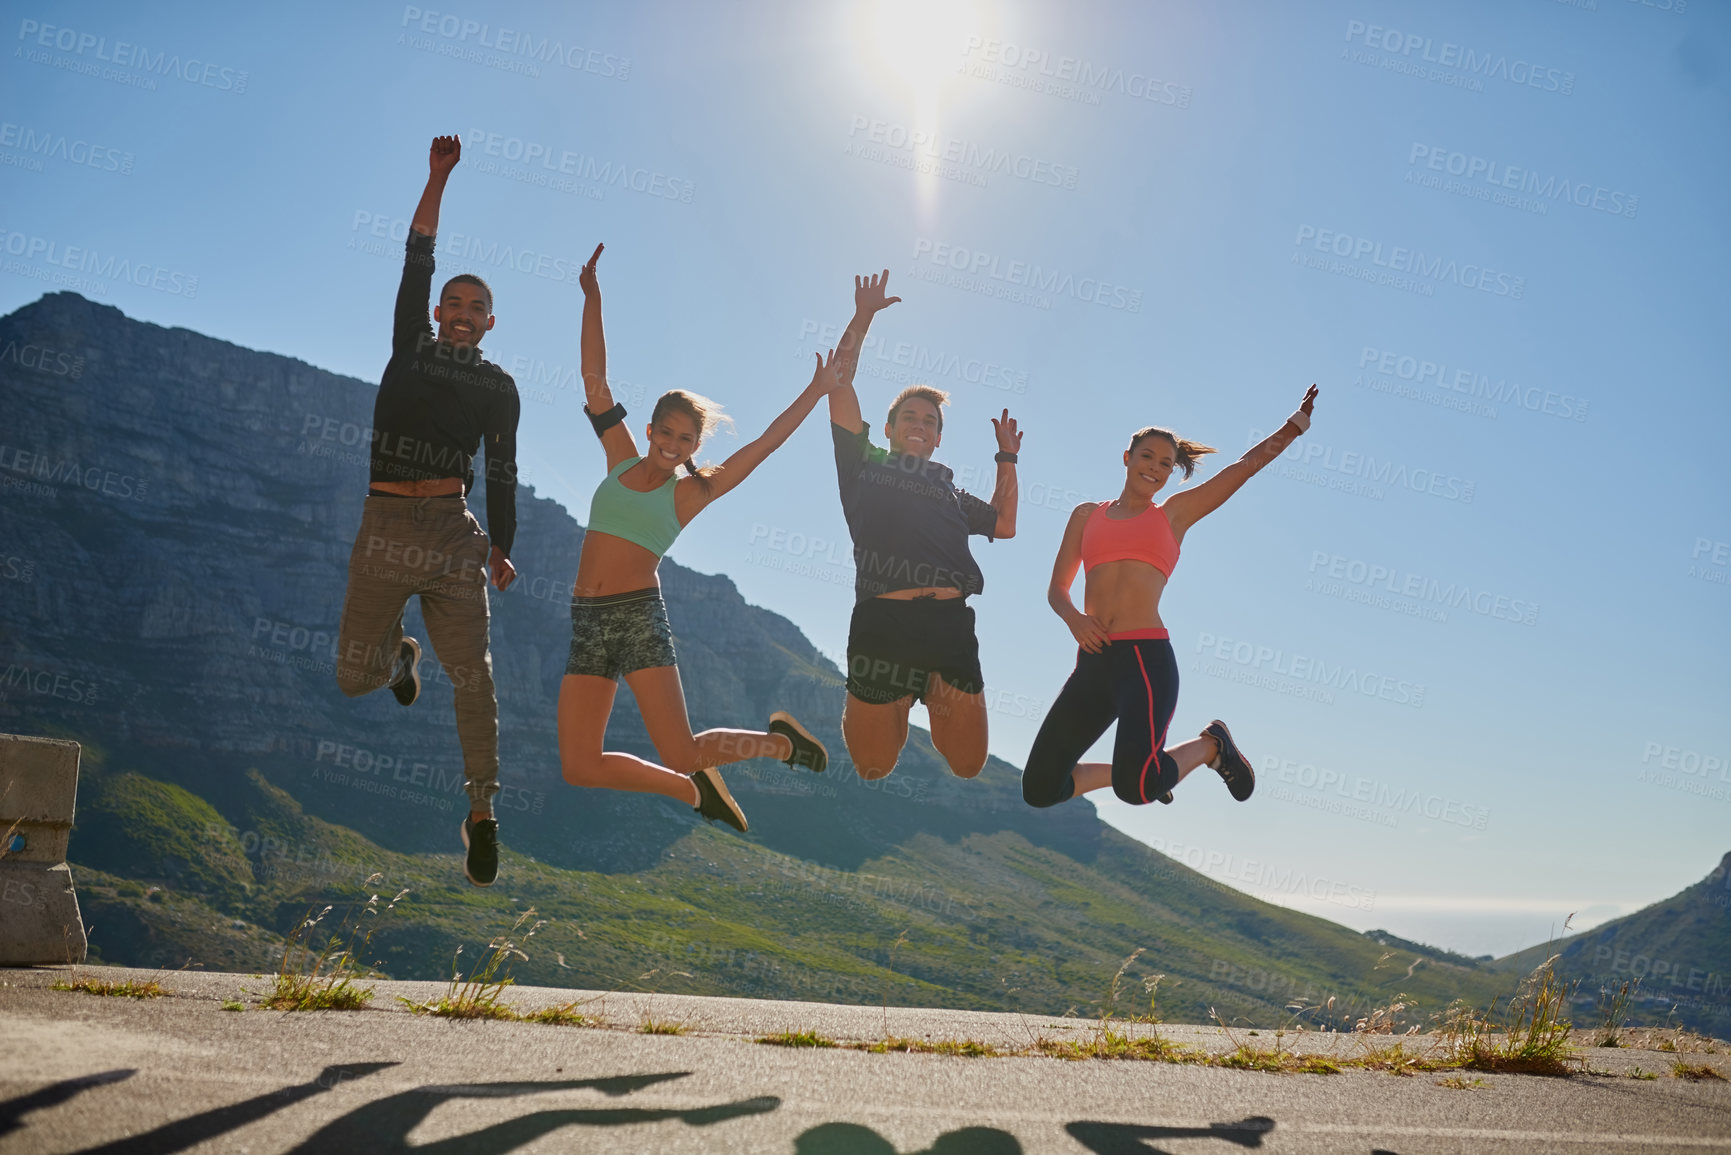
(868, 293)
(504, 573)
(444, 154)
(823, 378)
(586, 278)
(1009, 437)
(1090, 633)
(1309, 400)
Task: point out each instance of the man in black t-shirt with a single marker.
(912, 632)
(439, 403)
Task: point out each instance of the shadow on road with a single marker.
(384, 1124)
(12, 1111)
(1130, 1138)
(853, 1139)
(184, 1133)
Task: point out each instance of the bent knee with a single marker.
(354, 686)
(969, 767)
(582, 771)
(1040, 797)
(873, 773)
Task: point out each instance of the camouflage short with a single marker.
(619, 634)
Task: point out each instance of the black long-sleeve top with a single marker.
(439, 404)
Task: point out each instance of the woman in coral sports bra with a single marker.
(1126, 671)
(619, 624)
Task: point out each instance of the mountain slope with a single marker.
(177, 519)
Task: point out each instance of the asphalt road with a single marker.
(86, 1073)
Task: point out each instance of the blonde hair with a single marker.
(708, 416)
(1189, 452)
(936, 396)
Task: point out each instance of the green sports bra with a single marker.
(645, 519)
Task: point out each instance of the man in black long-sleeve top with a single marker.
(439, 403)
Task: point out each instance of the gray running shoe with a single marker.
(1232, 766)
(407, 684)
(713, 800)
(807, 750)
(481, 851)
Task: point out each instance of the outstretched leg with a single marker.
(661, 700)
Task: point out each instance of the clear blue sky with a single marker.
(1494, 234)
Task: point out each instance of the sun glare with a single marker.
(919, 44)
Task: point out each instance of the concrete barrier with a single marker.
(39, 920)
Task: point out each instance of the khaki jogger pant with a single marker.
(433, 547)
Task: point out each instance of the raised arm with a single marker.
(616, 439)
(441, 159)
(1005, 494)
(1185, 509)
(694, 495)
(1090, 632)
(410, 330)
(868, 301)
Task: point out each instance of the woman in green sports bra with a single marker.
(619, 622)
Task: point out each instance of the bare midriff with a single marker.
(942, 593)
(438, 487)
(1125, 596)
(611, 565)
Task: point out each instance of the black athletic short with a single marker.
(893, 645)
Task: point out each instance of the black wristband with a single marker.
(607, 420)
(1004, 456)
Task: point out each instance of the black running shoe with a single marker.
(807, 750)
(713, 800)
(1232, 766)
(1165, 799)
(481, 841)
(407, 684)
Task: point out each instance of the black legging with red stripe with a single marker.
(1131, 681)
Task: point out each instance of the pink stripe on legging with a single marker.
(1158, 735)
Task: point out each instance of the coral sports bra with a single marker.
(1145, 537)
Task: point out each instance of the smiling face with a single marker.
(464, 313)
(673, 438)
(1148, 464)
(915, 428)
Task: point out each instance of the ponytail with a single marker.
(1189, 452)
